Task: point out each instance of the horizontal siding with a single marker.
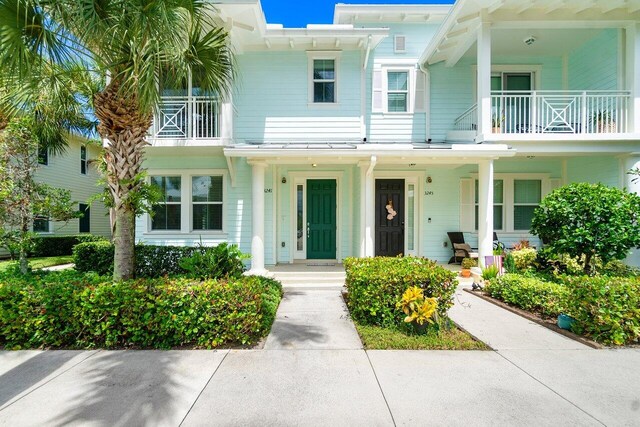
(417, 36)
(596, 169)
(63, 171)
(594, 65)
(397, 128)
(272, 103)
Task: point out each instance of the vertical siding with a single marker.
(272, 103)
(63, 171)
(594, 65)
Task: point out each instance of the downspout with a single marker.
(427, 95)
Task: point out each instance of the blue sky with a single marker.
(297, 14)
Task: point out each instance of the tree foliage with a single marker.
(589, 220)
(22, 198)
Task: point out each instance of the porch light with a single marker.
(314, 165)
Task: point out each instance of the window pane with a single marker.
(206, 189)
(397, 102)
(299, 219)
(522, 217)
(498, 191)
(166, 217)
(497, 217)
(323, 92)
(169, 187)
(207, 217)
(43, 156)
(85, 221)
(527, 191)
(324, 69)
(41, 225)
(397, 80)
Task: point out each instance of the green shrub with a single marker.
(606, 309)
(94, 256)
(375, 285)
(509, 264)
(212, 263)
(490, 273)
(72, 310)
(524, 258)
(157, 261)
(529, 293)
(60, 245)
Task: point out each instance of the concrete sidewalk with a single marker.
(320, 387)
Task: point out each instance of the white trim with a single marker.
(410, 177)
(320, 55)
(301, 177)
(534, 69)
(386, 69)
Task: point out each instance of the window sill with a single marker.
(323, 105)
(156, 233)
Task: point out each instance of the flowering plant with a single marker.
(418, 309)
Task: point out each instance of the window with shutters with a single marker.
(398, 90)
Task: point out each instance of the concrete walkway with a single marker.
(312, 372)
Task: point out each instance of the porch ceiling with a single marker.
(459, 31)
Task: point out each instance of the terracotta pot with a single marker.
(465, 272)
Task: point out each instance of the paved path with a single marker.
(308, 375)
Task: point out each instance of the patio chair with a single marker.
(460, 248)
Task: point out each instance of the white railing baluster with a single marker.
(183, 117)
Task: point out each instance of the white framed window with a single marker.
(207, 202)
(323, 78)
(167, 213)
(84, 164)
(398, 89)
(527, 195)
(516, 196)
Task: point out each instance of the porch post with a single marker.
(633, 75)
(485, 210)
(484, 79)
(367, 207)
(258, 168)
(633, 185)
(363, 208)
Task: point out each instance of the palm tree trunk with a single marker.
(125, 128)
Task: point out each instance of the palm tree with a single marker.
(136, 44)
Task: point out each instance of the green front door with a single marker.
(321, 219)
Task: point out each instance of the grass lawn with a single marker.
(36, 263)
(378, 338)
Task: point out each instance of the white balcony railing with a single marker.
(468, 120)
(184, 117)
(560, 112)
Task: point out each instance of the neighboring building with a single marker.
(74, 170)
(382, 132)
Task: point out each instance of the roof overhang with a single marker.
(405, 13)
(385, 153)
(459, 30)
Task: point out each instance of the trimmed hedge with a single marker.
(157, 261)
(529, 293)
(375, 285)
(606, 309)
(46, 246)
(72, 310)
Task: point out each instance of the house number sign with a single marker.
(268, 190)
(428, 193)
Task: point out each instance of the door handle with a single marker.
(308, 230)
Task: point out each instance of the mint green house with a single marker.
(380, 133)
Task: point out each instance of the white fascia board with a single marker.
(470, 152)
(329, 31)
(446, 26)
(342, 11)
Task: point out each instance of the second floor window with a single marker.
(324, 81)
(83, 160)
(166, 213)
(43, 156)
(397, 91)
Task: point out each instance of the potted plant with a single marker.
(496, 124)
(420, 311)
(602, 122)
(467, 264)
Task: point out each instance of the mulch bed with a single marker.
(546, 322)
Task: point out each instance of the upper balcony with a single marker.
(187, 120)
(522, 115)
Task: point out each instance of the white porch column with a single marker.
(367, 207)
(632, 162)
(258, 168)
(485, 210)
(484, 79)
(633, 74)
